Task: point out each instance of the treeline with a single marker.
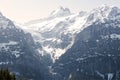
(6, 75)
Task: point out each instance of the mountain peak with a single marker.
(104, 6)
(60, 7)
(60, 12)
(1, 15)
(107, 11)
(5, 22)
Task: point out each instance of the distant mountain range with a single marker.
(64, 45)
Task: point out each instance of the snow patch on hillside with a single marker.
(59, 29)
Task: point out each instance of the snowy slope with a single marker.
(59, 34)
(95, 54)
(56, 33)
(18, 51)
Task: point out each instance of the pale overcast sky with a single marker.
(25, 10)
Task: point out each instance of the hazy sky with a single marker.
(25, 10)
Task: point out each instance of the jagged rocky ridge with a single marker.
(82, 46)
(95, 55)
(18, 52)
(88, 43)
(57, 34)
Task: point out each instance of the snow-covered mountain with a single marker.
(18, 52)
(95, 54)
(60, 12)
(57, 32)
(78, 44)
(81, 39)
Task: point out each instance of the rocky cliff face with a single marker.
(64, 46)
(18, 52)
(95, 55)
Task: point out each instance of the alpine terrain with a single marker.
(18, 52)
(64, 45)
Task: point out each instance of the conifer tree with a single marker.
(5, 75)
